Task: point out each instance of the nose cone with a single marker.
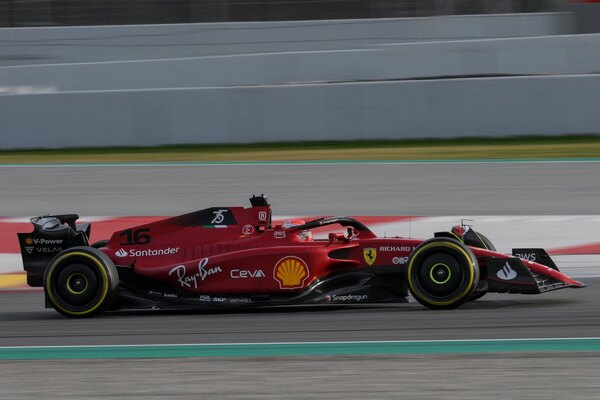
(541, 269)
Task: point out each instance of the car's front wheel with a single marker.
(81, 282)
(442, 273)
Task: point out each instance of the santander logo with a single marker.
(147, 252)
(121, 253)
(506, 273)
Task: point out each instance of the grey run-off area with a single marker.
(463, 377)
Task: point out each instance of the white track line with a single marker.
(364, 163)
(156, 60)
(301, 343)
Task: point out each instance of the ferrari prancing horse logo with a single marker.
(370, 254)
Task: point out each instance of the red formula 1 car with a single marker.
(233, 256)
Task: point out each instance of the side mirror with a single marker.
(337, 237)
(352, 233)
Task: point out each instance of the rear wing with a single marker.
(51, 235)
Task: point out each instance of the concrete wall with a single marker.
(586, 17)
(24, 46)
(564, 54)
(124, 86)
(428, 108)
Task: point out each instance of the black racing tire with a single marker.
(478, 295)
(81, 282)
(443, 273)
(481, 290)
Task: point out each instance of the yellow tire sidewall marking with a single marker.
(102, 270)
(482, 241)
(456, 236)
(71, 290)
(452, 246)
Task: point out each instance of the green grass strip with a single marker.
(300, 349)
(532, 147)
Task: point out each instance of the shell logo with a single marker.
(291, 272)
(29, 241)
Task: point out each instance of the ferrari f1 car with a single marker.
(233, 257)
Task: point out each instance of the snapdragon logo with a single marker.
(349, 297)
(147, 253)
(506, 273)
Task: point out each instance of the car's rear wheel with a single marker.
(442, 273)
(81, 282)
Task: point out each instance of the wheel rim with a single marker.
(76, 286)
(77, 283)
(440, 273)
(440, 276)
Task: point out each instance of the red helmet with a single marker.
(290, 223)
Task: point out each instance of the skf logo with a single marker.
(370, 254)
(291, 272)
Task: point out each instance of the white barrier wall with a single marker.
(256, 82)
(390, 110)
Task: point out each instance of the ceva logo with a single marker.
(121, 253)
(506, 273)
(247, 273)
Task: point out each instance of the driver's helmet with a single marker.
(304, 235)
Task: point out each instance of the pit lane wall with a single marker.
(318, 80)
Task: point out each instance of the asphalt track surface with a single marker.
(517, 375)
(564, 313)
(304, 189)
(521, 188)
(353, 189)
